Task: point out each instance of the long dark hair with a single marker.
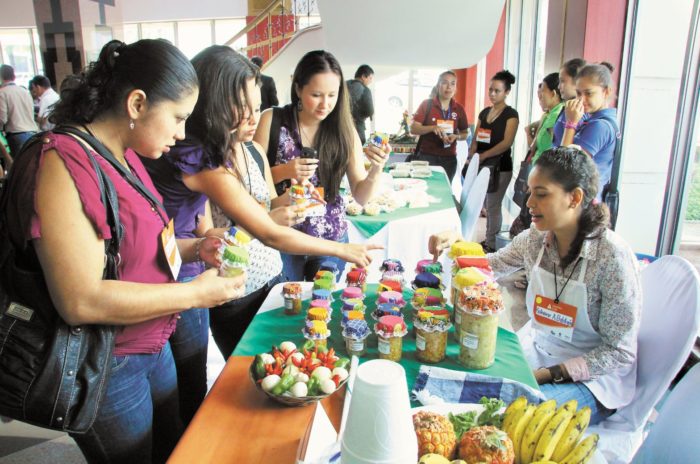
(155, 66)
(335, 138)
(570, 167)
(223, 74)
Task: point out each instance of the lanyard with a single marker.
(557, 293)
(446, 115)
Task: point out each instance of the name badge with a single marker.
(448, 127)
(483, 135)
(172, 253)
(556, 319)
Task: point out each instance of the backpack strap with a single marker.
(617, 155)
(425, 121)
(274, 139)
(257, 157)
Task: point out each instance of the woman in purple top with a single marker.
(135, 98)
(318, 142)
(212, 162)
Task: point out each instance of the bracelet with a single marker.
(197, 255)
(570, 125)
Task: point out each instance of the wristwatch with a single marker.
(557, 374)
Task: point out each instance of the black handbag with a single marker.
(51, 374)
(520, 185)
(494, 178)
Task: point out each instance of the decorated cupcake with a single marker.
(291, 292)
(477, 313)
(321, 294)
(428, 265)
(392, 269)
(395, 298)
(426, 279)
(318, 314)
(389, 286)
(353, 304)
(351, 316)
(318, 332)
(431, 327)
(355, 334)
(386, 309)
(352, 293)
(464, 248)
(357, 277)
(390, 332)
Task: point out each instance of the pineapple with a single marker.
(435, 434)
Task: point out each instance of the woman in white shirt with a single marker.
(584, 295)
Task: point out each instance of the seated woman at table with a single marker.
(581, 272)
(314, 139)
(217, 160)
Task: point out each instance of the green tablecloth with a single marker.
(273, 327)
(438, 187)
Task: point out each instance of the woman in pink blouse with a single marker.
(135, 98)
(584, 294)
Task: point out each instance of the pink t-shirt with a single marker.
(141, 258)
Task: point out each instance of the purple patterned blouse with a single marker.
(331, 226)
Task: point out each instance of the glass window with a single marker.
(224, 29)
(193, 36)
(39, 62)
(17, 52)
(131, 33)
(164, 30)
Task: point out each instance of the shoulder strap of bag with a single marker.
(125, 173)
(274, 139)
(617, 155)
(257, 157)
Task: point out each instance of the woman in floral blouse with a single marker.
(317, 141)
(584, 297)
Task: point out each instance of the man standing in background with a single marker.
(40, 87)
(361, 104)
(268, 91)
(16, 110)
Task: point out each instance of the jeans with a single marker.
(299, 268)
(229, 321)
(563, 392)
(138, 421)
(189, 343)
(448, 163)
(494, 210)
(15, 140)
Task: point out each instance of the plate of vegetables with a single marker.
(298, 376)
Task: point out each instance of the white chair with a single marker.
(471, 207)
(462, 154)
(674, 436)
(470, 176)
(668, 329)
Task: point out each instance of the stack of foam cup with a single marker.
(379, 428)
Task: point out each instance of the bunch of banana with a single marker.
(543, 434)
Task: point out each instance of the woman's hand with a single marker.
(377, 156)
(574, 110)
(208, 251)
(358, 254)
(287, 215)
(311, 188)
(301, 169)
(437, 130)
(449, 138)
(440, 241)
(215, 290)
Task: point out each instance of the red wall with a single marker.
(260, 33)
(605, 33)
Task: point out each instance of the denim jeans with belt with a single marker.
(189, 343)
(138, 421)
(563, 392)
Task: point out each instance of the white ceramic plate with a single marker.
(459, 408)
(401, 183)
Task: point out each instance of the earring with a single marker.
(299, 108)
(131, 124)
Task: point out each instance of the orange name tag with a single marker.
(483, 135)
(447, 125)
(172, 253)
(557, 319)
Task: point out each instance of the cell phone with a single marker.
(308, 152)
